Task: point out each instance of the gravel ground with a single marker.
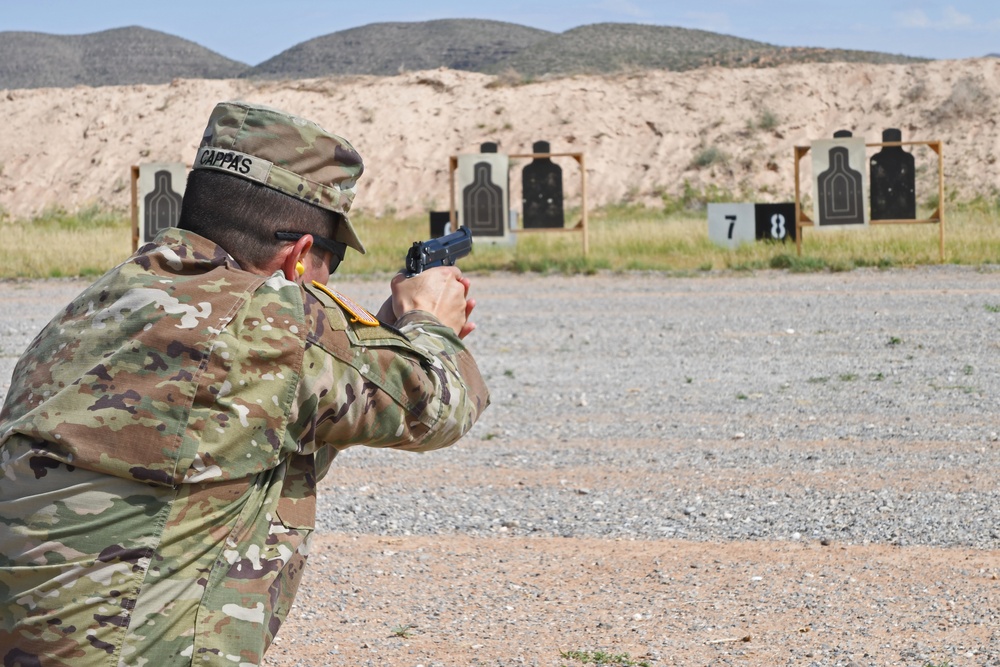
(730, 469)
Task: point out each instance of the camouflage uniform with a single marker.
(161, 444)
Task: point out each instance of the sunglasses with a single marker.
(335, 248)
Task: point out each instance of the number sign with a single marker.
(729, 225)
(775, 222)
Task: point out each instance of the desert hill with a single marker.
(492, 47)
(611, 47)
(645, 135)
(107, 58)
(138, 55)
(387, 48)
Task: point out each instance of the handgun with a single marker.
(442, 251)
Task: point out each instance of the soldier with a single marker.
(163, 436)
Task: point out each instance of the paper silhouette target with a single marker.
(840, 187)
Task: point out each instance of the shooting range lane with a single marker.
(669, 466)
(731, 424)
(453, 600)
(728, 395)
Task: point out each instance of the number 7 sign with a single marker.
(729, 225)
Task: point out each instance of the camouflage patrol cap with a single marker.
(290, 154)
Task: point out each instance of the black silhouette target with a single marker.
(542, 191)
(893, 181)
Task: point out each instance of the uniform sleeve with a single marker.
(414, 387)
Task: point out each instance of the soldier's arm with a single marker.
(414, 386)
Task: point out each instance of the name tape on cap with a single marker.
(234, 162)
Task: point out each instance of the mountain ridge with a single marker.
(138, 55)
(119, 56)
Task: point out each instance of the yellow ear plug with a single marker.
(300, 268)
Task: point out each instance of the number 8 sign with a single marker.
(775, 222)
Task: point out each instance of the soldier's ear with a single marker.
(294, 254)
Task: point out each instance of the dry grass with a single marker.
(58, 244)
(621, 239)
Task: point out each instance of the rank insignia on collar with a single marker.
(357, 312)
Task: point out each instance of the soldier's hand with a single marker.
(442, 291)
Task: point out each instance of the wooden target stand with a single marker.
(135, 207)
(937, 218)
(580, 226)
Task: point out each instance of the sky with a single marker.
(251, 31)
